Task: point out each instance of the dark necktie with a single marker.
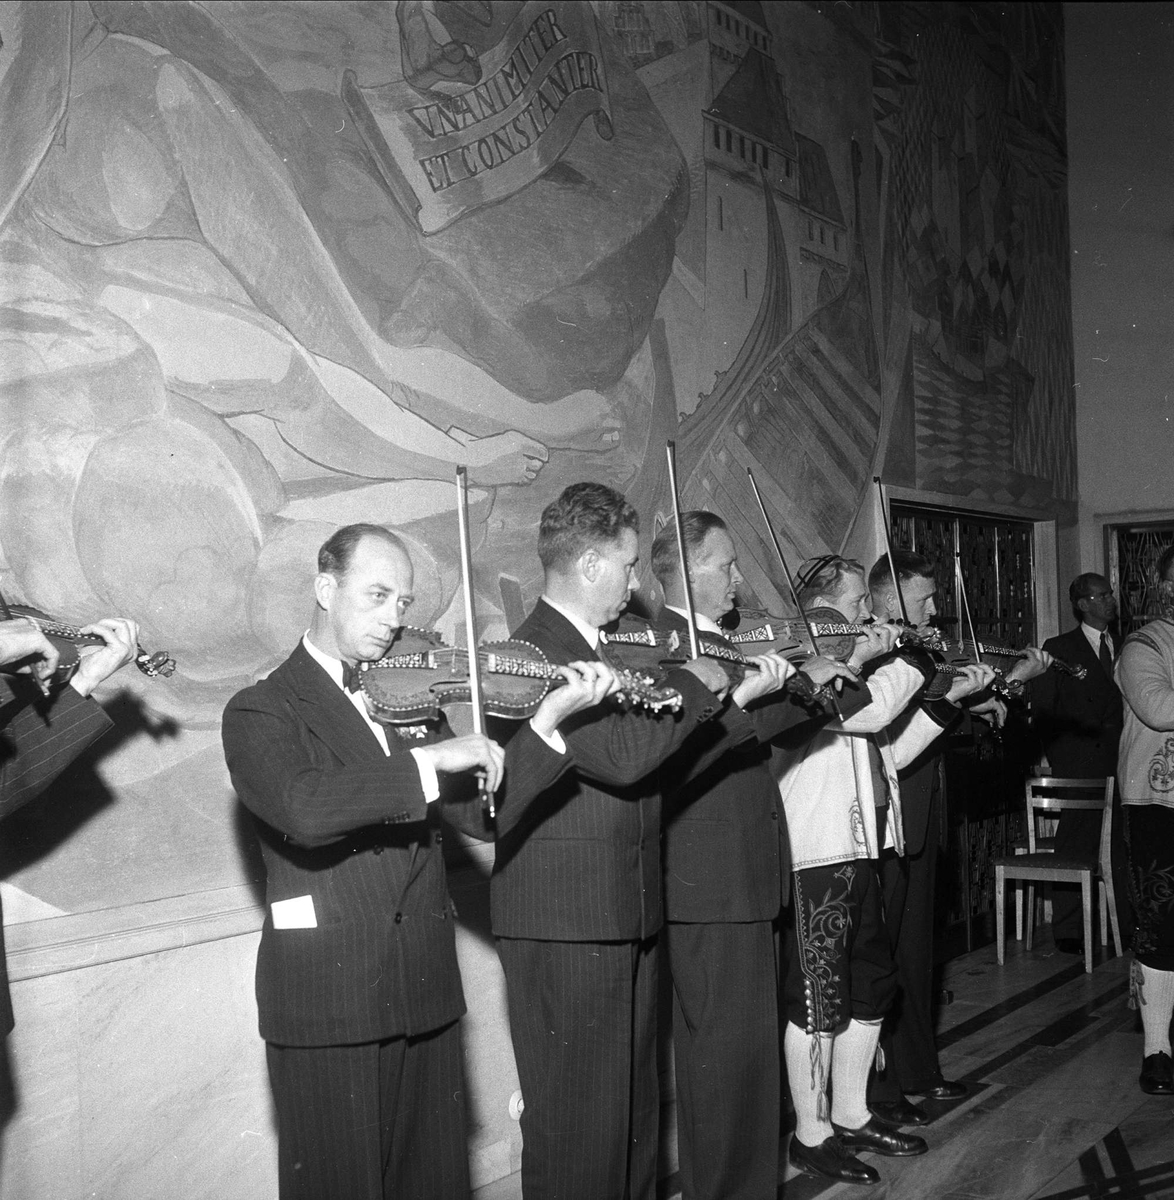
(1106, 656)
(352, 677)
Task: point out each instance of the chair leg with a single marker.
(1018, 910)
(1029, 915)
(1086, 897)
(1104, 911)
(1107, 883)
(1000, 911)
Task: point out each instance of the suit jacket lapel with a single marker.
(327, 711)
(561, 632)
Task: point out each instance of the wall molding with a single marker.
(79, 940)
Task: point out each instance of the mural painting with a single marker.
(267, 268)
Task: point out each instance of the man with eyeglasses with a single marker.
(1079, 725)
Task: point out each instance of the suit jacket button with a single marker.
(377, 849)
(399, 917)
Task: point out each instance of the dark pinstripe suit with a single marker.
(576, 898)
(374, 988)
(39, 740)
(726, 877)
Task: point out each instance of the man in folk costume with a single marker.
(843, 806)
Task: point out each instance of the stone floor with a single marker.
(1052, 1057)
(1055, 1113)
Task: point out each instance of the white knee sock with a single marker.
(853, 1049)
(807, 1057)
(1157, 993)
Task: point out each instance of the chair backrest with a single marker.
(1053, 793)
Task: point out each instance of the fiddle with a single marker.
(67, 638)
(422, 674)
(639, 647)
(981, 650)
(834, 637)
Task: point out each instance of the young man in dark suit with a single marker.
(576, 888)
(726, 868)
(909, 1048)
(358, 989)
(43, 731)
(1079, 725)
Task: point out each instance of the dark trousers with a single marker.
(1149, 833)
(372, 1121)
(907, 1036)
(583, 1021)
(726, 1053)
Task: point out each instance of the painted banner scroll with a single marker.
(443, 155)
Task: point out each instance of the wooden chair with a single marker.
(1041, 866)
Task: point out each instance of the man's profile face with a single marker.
(853, 601)
(615, 577)
(365, 606)
(920, 602)
(715, 574)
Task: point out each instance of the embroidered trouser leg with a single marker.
(837, 963)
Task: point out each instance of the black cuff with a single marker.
(941, 712)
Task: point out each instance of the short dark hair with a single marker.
(824, 576)
(1081, 586)
(583, 515)
(335, 554)
(1165, 563)
(909, 565)
(697, 524)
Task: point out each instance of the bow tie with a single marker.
(352, 677)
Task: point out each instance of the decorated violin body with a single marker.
(423, 675)
(66, 638)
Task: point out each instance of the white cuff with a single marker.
(555, 741)
(428, 781)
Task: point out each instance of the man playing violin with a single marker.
(725, 872)
(576, 888)
(840, 793)
(907, 882)
(358, 990)
(45, 721)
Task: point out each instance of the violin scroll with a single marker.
(68, 637)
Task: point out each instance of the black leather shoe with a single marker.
(1157, 1075)
(880, 1140)
(944, 1089)
(831, 1160)
(1069, 945)
(896, 1113)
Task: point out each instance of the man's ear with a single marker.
(325, 585)
(589, 564)
(1166, 592)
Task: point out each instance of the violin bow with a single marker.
(790, 580)
(694, 640)
(966, 606)
(884, 513)
(475, 695)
